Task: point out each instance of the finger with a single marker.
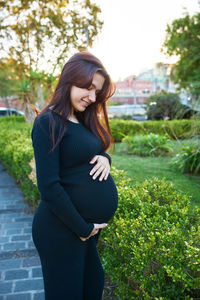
(98, 172)
(105, 178)
(99, 226)
(96, 167)
(94, 159)
(83, 239)
(95, 232)
(103, 175)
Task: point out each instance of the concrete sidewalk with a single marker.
(20, 270)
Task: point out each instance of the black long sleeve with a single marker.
(48, 179)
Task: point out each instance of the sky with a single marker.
(134, 31)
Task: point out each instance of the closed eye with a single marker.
(93, 87)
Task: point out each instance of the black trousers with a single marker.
(71, 268)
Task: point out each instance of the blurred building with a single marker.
(137, 89)
(132, 91)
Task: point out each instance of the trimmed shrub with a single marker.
(121, 128)
(147, 145)
(175, 129)
(151, 247)
(16, 153)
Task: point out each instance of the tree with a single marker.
(183, 40)
(165, 106)
(40, 34)
(37, 36)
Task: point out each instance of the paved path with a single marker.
(20, 270)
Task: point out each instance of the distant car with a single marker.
(139, 117)
(4, 111)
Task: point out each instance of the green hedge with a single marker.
(174, 129)
(16, 153)
(151, 248)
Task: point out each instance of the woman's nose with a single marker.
(92, 96)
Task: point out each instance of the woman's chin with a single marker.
(82, 108)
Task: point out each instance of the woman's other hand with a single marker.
(102, 167)
(94, 231)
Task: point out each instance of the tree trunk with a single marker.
(40, 104)
(29, 113)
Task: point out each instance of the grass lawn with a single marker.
(141, 168)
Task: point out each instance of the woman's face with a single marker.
(81, 98)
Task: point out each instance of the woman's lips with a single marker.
(85, 103)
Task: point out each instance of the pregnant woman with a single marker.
(78, 195)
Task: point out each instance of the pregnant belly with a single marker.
(95, 200)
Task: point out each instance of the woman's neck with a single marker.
(73, 118)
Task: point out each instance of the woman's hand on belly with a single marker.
(102, 167)
(94, 231)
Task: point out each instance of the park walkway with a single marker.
(20, 270)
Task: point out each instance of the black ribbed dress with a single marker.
(71, 201)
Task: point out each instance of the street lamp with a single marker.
(134, 90)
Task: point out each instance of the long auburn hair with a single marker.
(79, 71)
